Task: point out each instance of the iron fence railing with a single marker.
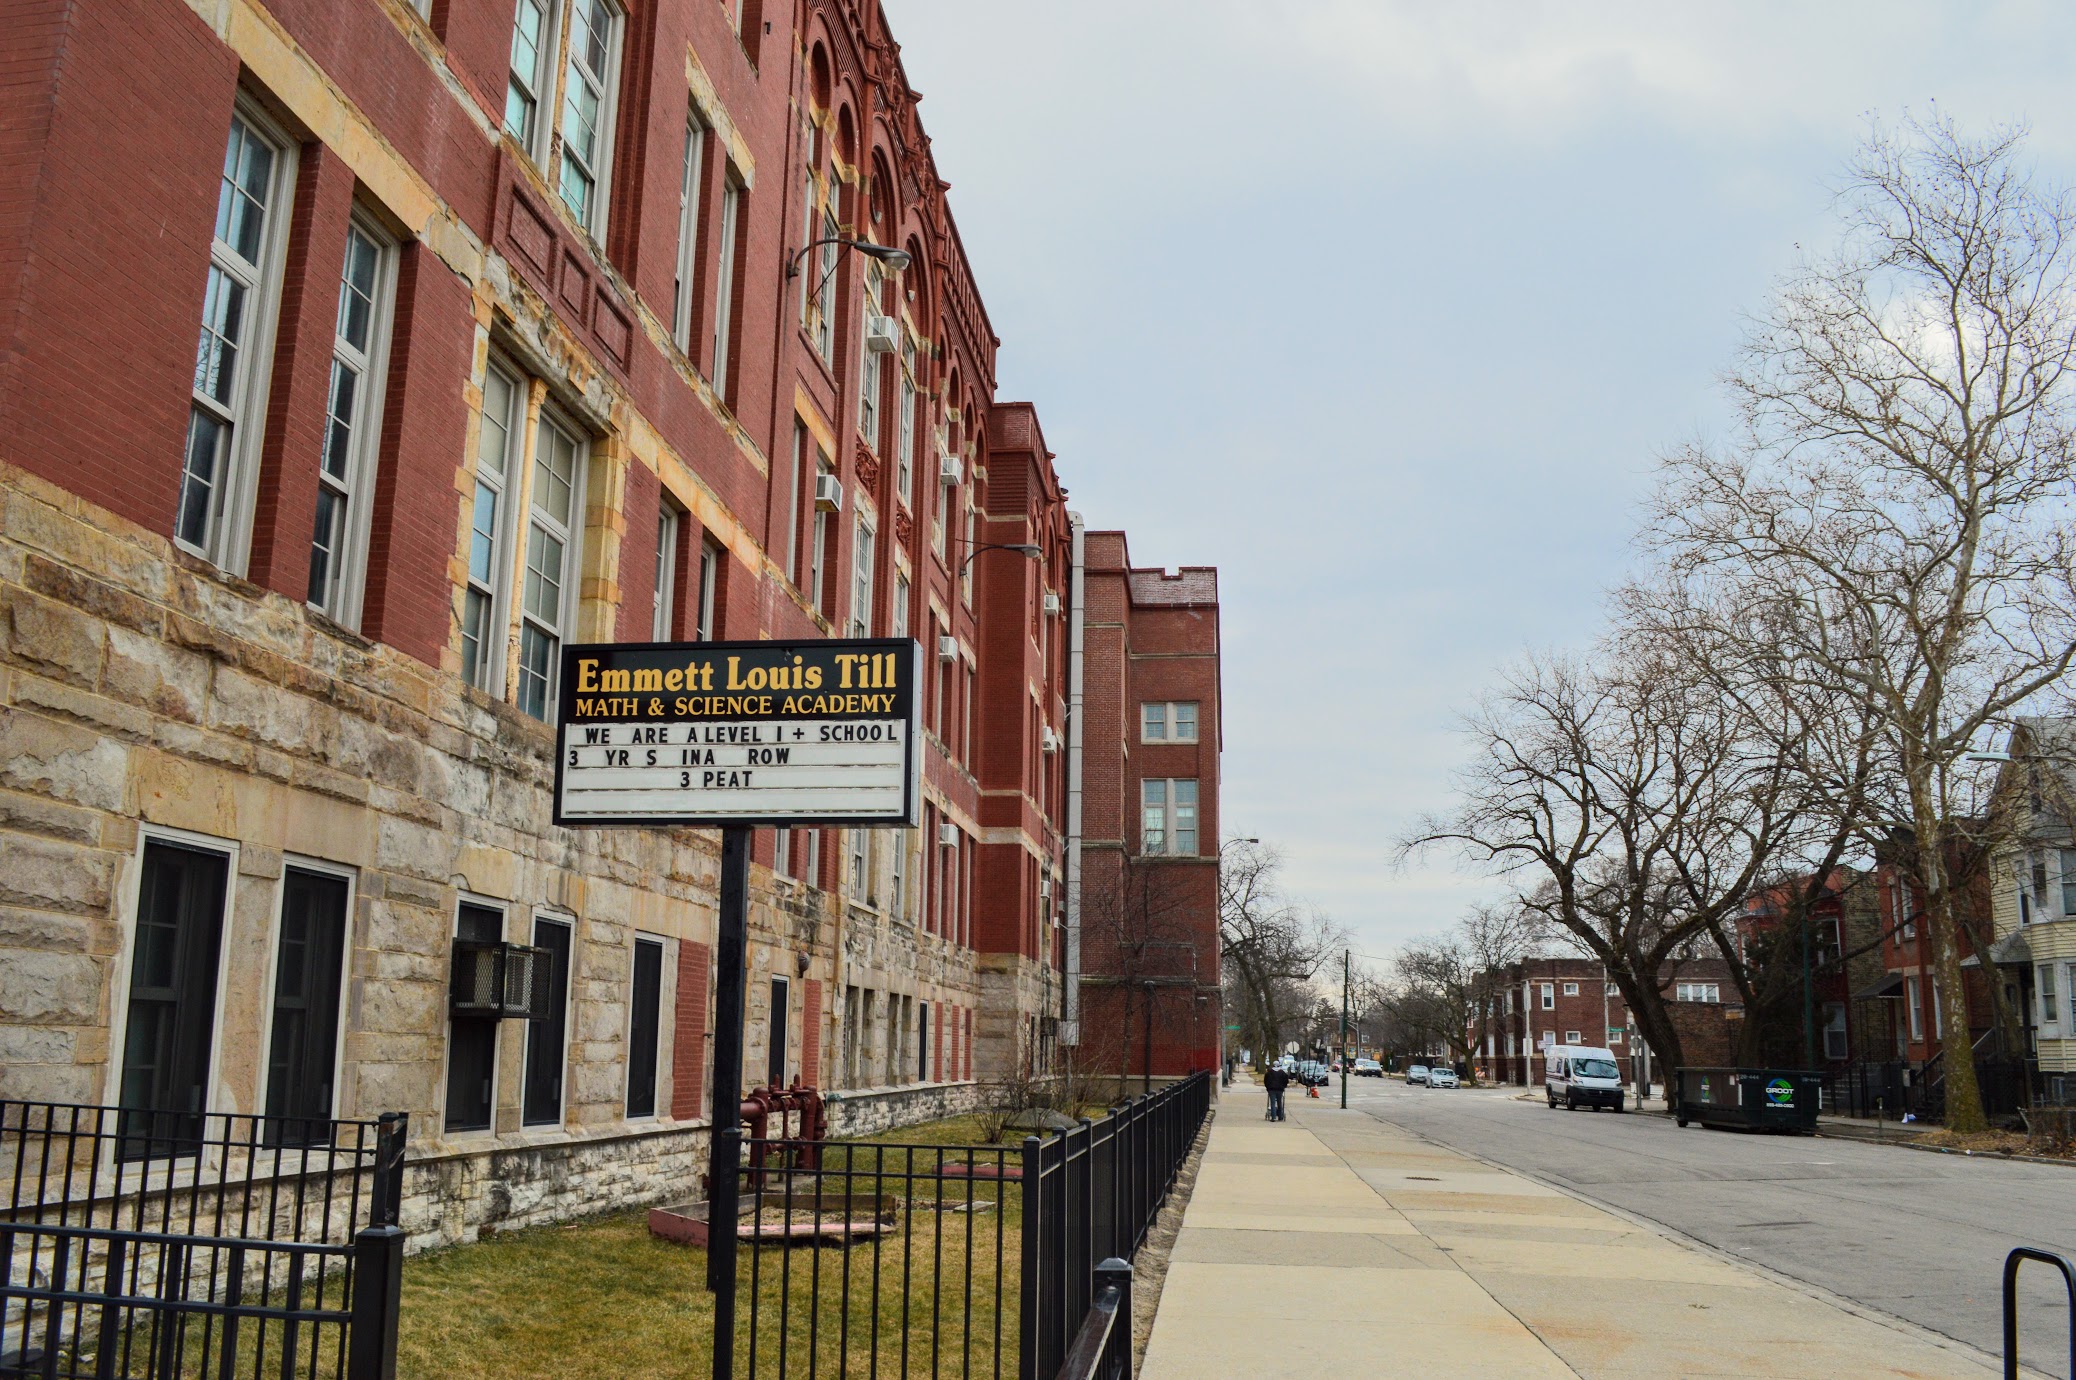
(1102, 1349)
(921, 1280)
(1092, 1193)
(154, 1245)
(864, 1258)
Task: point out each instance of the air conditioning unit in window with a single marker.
(1045, 888)
(947, 648)
(499, 980)
(882, 334)
(828, 493)
(1052, 604)
(1050, 743)
(948, 835)
(949, 467)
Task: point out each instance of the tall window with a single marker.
(309, 965)
(904, 461)
(644, 1027)
(1169, 823)
(661, 603)
(353, 423)
(860, 863)
(171, 1021)
(966, 545)
(547, 1038)
(787, 500)
(228, 402)
(1172, 722)
(497, 453)
(776, 1031)
(922, 1042)
(861, 581)
(688, 234)
(868, 387)
(534, 35)
(472, 1040)
(940, 521)
(897, 891)
(551, 564)
(724, 292)
(709, 589)
(825, 283)
(587, 110)
(2068, 865)
(897, 620)
(2050, 1010)
(819, 556)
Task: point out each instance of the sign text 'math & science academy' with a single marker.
(739, 733)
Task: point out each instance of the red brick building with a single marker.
(1146, 921)
(1537, 1002)
(522, 322)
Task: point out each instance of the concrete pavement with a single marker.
(1333, 1245)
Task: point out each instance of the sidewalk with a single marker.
(1333, 1245)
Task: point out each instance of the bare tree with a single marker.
(1896, 499)
(1270, 946)
(1625, 808)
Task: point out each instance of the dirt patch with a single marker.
(1150, 1266)
(1996, 1143)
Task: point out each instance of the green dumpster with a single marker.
(1751, 1099)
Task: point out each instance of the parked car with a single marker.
(1417, 1074)
(1313, 1073)
(1368, 1068)
(1583, 1076)
(1441, 1078)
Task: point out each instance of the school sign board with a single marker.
(739, 734)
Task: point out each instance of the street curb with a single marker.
(1991, 1156)
(1804, 1287)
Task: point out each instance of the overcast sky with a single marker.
(1386, 310)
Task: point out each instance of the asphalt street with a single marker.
(1915, 1235)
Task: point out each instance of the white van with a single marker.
(1582, 1076)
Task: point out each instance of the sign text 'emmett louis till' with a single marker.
(741, 733)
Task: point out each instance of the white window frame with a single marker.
(663, 603)
(126, 952)
(558, 630)
(1574, 1037)
(1170, 808)
(569, 1025)
(577, 73)
(537, 86)
(710, 558)
(898, 610)
(351, 876)
(1171, 721)
(2049, 996)
(1571, 989)
(869, 374)
(724, 294)
(664, 1025)
(354, 489)
(898, 890)
(911, 400)
(1549, 996)
(683, 291)
(226, 535)
(504, 910)
(860, 869)
(494, 588)
(864, 548)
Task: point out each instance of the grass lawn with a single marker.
(605, 1298)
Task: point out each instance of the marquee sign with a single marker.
(739, 733)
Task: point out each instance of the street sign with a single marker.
(745, 734)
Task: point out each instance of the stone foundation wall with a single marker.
(871, 1111)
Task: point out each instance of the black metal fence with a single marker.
(923, 1280)
(1092, 1193)
(951, 1260)
(155, 1245)
(1102, 1350)
(1894, 1088)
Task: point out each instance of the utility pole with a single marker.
(1808, 998)
(1344, 1030)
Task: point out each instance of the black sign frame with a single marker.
(820, 652)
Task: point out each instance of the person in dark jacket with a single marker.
(1275, 1080)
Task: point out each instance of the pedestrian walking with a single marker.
(1275, 1080)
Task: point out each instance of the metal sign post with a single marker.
(723, 1215)
(734, 736)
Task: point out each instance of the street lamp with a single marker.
(1031, 551)
(896, 259)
